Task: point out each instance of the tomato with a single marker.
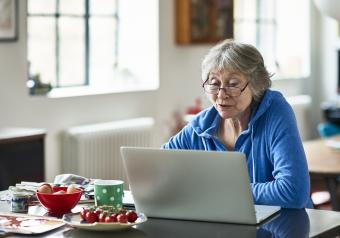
(122, 211)
(131, 216)
(102, 217)
(83, 213)
(114, 217)
(107, 214)
(122, 218)
(98, 211)
(108, 219)
(111, 218)
(91, 217)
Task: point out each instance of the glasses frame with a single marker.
(225, 89)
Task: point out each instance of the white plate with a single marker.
(75, 220)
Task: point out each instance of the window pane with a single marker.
(58, 43)
(271, 32)
(74, 7)
(41, 6)
(72, 51)
(267, 9)
(245, 9)
(267, 45)
(293, 41)
(41, 48)
(103, 49)
(103, 7)
(245, 31)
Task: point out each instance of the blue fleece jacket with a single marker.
(275, 157)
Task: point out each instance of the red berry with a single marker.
(122, 218)
(122, 211)
(102, 217)
(131, 216)
(91, 217)
(98, 211)
(83, 213)
(109, 219)
(114, 217)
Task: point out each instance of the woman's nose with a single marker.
(222, 93)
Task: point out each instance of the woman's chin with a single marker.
(226, 114)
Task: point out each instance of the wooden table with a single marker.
(324, 161)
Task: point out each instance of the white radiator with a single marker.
(93, 151)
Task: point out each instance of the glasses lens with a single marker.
(214, 89)
(234, 92)
(209, 88)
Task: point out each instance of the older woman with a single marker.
(247, 116)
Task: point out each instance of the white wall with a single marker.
(180, 84)
(328, 49)
(323, 83)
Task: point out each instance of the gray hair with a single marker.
(242, 58)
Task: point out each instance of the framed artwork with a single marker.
(204, 21)
(8, 20)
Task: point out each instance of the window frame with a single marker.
(87, 51)
(259, 19)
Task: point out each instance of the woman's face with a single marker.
(227, 105)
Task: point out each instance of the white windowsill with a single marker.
(90, 91)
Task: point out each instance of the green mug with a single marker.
(109, 193)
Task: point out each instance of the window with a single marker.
(280, 30)
(77, 43)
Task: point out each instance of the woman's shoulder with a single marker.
(205, 121)
(278, 110)
(275, 101)
(273, 108)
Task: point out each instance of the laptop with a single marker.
(192, 185)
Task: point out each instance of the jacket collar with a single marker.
(207, 122)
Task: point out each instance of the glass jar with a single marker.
(19, 203)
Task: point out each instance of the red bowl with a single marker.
(59, 204)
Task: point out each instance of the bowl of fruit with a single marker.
(104, 218)
(58, 200)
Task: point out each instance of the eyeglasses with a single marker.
(230, 91)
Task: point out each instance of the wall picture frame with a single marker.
(8, 20)
(203, 21)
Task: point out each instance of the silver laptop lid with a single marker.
(189, 184)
